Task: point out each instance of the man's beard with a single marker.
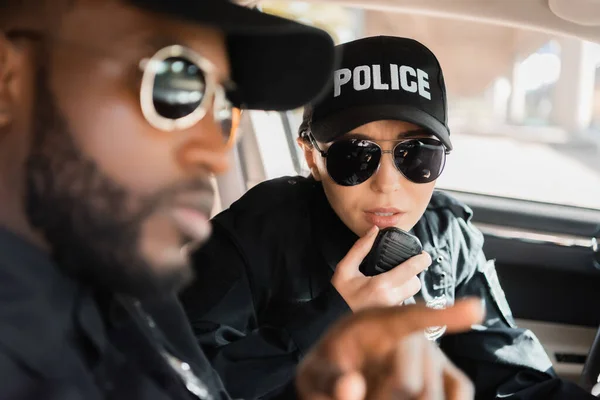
(91, 223)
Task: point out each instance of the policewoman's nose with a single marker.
(387, 179)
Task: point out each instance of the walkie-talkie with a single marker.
(392, 247)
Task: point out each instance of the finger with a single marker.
(407, 319)
(317, 374)
(408, 366)
(403, 378)
(434, 380)
(408, 269)
(350, 342)
(351, 386)
(350, 263)
(457, 385)
(409, 289)
(458, 318)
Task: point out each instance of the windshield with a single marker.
(524, 106)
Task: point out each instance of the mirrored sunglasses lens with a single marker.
(352, 162)
(179, 88)
(420, 161)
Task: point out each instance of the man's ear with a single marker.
(309, 156)
(10, 60)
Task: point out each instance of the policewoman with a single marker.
(283, 262)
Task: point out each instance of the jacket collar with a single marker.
(40, 307)
(333, 237)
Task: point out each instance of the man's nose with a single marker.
(205, 148)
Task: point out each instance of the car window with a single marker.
(524, 106)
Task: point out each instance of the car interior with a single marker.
(523, 82)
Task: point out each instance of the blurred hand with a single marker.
(382, 353)
(391, 288)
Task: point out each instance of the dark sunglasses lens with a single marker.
(420, 161)
(179, 88)
(351, 162)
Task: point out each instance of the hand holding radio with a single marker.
(381, 269)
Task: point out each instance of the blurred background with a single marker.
(524, 106)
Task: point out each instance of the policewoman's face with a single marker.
(387, 198)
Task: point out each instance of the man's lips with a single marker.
(191, 213)
(192, 223)
(384, 217)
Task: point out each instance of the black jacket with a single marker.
(60, 340)
(263, 295)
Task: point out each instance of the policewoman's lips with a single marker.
(384, 217)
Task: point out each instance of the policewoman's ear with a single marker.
(10, 59)
(309, 156)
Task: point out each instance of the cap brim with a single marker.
(331, 127)
(277, 64)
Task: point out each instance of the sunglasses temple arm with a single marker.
(315, 145)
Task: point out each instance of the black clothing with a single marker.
(264, 296)
(60, 340)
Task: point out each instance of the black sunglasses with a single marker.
(351, 162)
